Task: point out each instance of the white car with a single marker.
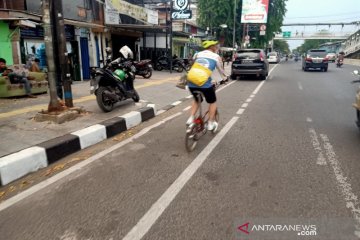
(273, 57)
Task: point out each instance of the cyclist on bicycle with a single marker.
(210, 59)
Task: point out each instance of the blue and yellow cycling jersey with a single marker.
(211, 61)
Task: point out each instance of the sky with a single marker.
(312, 11)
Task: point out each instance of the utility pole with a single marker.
(63, 69)
(171, 36)
(54, 104)
(234, 24)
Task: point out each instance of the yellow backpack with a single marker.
(198, 74)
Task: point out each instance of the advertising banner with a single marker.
(128, 9)
(254, 11)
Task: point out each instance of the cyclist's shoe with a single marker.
(212, 126)
(190, 120)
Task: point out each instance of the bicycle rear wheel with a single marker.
(191, 138)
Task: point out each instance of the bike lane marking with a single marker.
(157, 209)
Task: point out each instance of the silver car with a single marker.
(273, 57)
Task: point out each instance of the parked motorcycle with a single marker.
(143, 68)
(114, 82)
(164, 63)
(339, 63)
(357, 102)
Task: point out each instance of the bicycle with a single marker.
(199, 127)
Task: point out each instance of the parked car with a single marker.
(250, 62)
(273, 57)
(315, 59)
(331, 57)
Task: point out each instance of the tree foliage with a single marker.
(282, 46)
(310, 44)
(213, 13)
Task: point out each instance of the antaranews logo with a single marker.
(300, 230)
(244, 228)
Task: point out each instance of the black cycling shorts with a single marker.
(209, 94)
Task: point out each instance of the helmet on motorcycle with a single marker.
(208, 42)
(120, 74)
(126, 52)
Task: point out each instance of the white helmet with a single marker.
(126, 52)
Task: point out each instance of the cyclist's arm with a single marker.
(219, 66)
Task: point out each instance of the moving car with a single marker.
(250, 62)
(273, 57)
(315, 59)
(331, 57)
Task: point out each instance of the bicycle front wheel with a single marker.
(191, 138)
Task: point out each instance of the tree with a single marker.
(277, 11)
(282, 46)
(213, 13)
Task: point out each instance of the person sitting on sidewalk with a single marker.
(15, 78)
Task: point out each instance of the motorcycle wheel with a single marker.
(158, 67)
(148, 74)
(136, 96)
(180, 68)
(104, 102)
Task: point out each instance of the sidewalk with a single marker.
(19, 131)
(27, 145)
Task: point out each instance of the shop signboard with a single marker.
(181, 10)
(254, 11)
(122, 7)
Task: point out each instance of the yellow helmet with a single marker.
(208, 43)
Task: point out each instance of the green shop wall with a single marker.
(5, 43)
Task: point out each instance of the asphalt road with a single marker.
(290, 155)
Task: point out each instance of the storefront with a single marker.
(5, 43)
(32, 46)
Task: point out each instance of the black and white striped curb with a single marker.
(17, 165)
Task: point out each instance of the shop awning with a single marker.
(181, 40)
(83, 24)
(138, 27)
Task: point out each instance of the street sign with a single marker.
(262, 33)
(247, 37)
(247, 41)
(286, 34)
(263, 27)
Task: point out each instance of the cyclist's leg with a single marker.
(212, 111)
(210, 97)
(194, 106)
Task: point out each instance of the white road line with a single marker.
(228, 84)
(248, 100)
(151, 216)
(240, 111)
(160, 112)
(187, 108)
(176, 103)
(317, 147)
(252, 95)
(245, 105)
(309, 119)
(262, 82)
(258, 87)
(352, 200)
(300, 86)
(190, 96)
(17, 198)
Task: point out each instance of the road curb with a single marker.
(21, 163)
(16, 165)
